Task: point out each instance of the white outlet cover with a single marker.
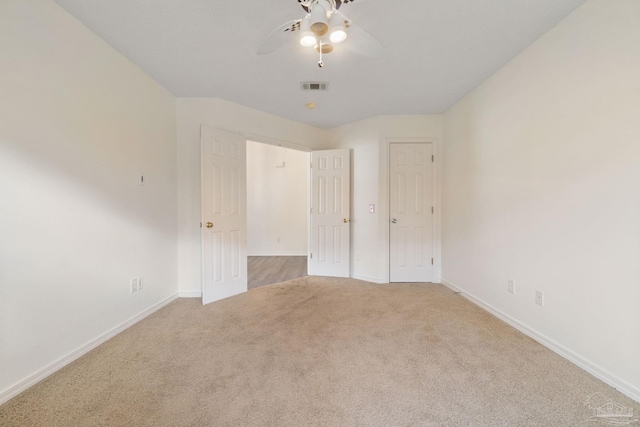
(511, 286)
(140, 286)
(539, 297)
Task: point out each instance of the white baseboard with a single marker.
(367, 279)
(189, 294)
(598, 372)
(43, 373)
(277, 254)
(376, 280)
(452, 287)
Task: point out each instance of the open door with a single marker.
(330, 209)
(224, 214)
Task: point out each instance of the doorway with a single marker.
(411, 212)
(277, 213)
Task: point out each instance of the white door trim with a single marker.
(384, 202)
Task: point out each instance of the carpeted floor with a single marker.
(317, 352)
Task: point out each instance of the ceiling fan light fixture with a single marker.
(308, 39)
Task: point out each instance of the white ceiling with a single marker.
(436, 51)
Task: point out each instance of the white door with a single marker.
(411, 213)
(224, 214)
(330, 209)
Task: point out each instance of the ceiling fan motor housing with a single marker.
(307, 5)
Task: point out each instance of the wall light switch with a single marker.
(372, 208)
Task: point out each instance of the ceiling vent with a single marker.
(314, 85)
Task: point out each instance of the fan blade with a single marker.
(359, 41)
(279, 36)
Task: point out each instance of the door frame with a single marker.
(385, 204)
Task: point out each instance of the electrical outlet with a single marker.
(511, 286)
(140, 283)
(134, 285)
(539, 297)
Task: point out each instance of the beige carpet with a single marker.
(317, 352)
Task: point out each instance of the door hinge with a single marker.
(432, 209)
(432, 158)
(200, 225)
(311, 210)
(431, 261)
(311, 256)
(311, 165)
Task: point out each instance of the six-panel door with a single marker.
(224, 214)
(330, 213)
(411, 213)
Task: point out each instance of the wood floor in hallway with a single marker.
(267, 270)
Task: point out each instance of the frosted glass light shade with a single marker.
(338, 34)
(308, 39)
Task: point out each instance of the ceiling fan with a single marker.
(323, 27)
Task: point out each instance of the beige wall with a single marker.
(78, 124)
(541, 175)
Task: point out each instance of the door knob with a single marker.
(209, 225)
(393, 220)
(345, 220)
